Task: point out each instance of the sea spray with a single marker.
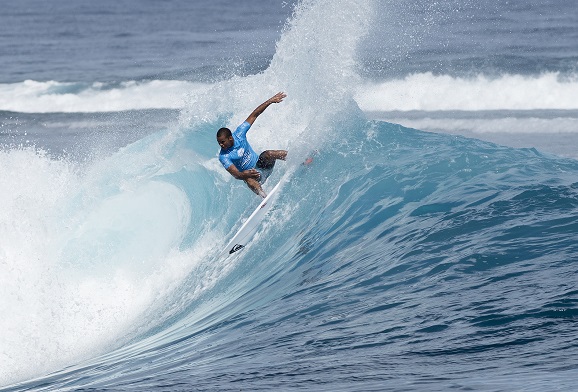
(314, 63)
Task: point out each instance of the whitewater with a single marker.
(399, 260)
(415, 92)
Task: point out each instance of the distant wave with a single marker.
(56, 97)
(429, 92)
(421, 92)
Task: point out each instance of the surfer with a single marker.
(239, 158)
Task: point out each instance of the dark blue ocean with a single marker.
(431, 246)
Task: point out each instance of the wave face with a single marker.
(398, 259)
(424, 254)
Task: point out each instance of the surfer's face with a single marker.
(225, 142)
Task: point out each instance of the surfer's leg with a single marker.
(267, 158)
(255, 187)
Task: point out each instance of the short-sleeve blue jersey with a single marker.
(241, 154)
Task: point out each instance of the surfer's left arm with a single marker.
(261, 108)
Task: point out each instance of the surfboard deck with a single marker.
(248, 229)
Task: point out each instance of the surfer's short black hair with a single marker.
(224, 132)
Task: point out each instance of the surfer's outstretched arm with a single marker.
(261, 108)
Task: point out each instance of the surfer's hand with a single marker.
(252, 173)
(259, 109)
(277, 97)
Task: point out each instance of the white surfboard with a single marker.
(246, 232)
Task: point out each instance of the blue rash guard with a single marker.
(241, 154)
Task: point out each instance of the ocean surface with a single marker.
(431, 246)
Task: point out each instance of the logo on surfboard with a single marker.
(236, 248)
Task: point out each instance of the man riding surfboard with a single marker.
(238, 157)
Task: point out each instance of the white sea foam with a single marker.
(424, 91)
(429, 92)
(55, 97)
(506, 125)
(78, 268)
